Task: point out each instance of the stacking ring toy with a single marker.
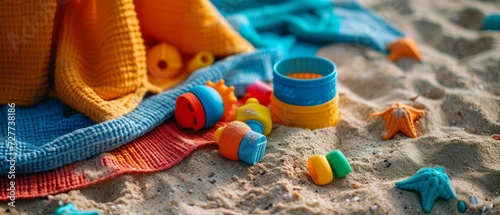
(199, 108)
(238, 142)
(255, 115)
(305, 81)
(311, 117)
(323, 168)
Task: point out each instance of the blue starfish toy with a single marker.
(70, 209)
(431, 183)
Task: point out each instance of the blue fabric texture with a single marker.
(263, 23)
(51, 134)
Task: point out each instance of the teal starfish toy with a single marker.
(431, 183)
(70, 209)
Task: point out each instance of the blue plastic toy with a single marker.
(305, 81)
(199, 108)
(71, 209)
(431, 183)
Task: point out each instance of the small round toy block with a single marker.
(252, 147)
(202, 107)
(229, 138)
(200, 60)
(320, 170)
(257, 116)
(164, 61)
(189, 112)
(338, 163)
(261, 91)
(227, 95)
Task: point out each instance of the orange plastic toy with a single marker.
(228, 97)
(238, 142)
(400, 117)
(229, 138)
(404, 47)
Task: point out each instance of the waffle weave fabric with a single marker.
(189, 25)
(100, 60)
(52, 134)
(25, 42)
(162, 148)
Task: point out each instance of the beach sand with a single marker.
(458, 85)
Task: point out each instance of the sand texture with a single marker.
(458, 85)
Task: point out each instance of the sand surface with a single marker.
(458, 85)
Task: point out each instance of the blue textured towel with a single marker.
(51, 134)
(321, 21)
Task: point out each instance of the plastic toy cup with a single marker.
(305, 81)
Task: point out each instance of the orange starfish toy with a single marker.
(400, 117)
(404, 47)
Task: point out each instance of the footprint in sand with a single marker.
(433, 35)
(428, 89)
(470, 18)
(108, 191)
(449, 79)
(471, 112)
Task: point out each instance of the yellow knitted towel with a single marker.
(25, 38)
(189, 25)
(100, 67)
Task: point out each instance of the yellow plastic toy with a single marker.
(164, 61)
(320, 170)
(255, 115)
(200, 60)
(324, 168)
(311, 117)
(167, 68)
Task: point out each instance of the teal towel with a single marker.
(320, 21)
(51, 134)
